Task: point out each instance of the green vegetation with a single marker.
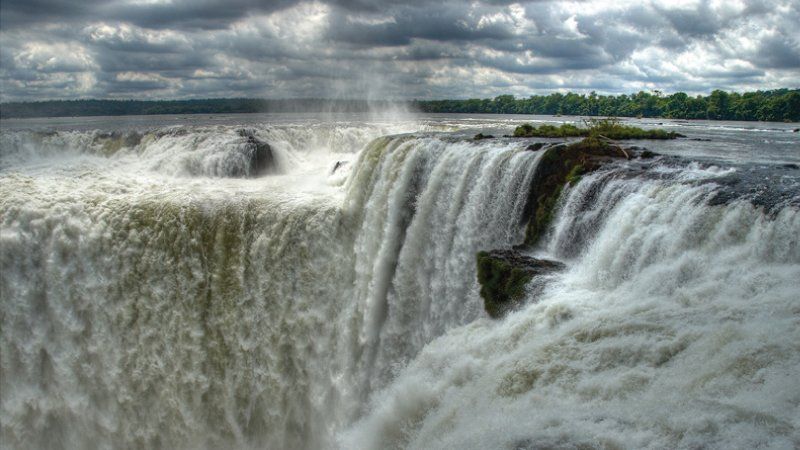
(502, 283)
(550, 131)
(69, 108)
(503, 276)
(775, 105)
(560, 165)
(610, 128)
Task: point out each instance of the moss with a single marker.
(574, 175)
(610, 128)
(501, 283)
(504, 275)
(560, 165)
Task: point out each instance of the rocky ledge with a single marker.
(504, 276)
(562, 164)
(507, 277)
(260, 158)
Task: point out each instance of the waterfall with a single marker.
(141, 310)
(153, 297)
(675, 326)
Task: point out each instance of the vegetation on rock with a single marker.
(610, 128)
(562, 164)
(503, 275)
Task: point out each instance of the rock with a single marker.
(111, 142)
(504, 275)
(481, 136)
(791, 166)
(796, 130)
(562, 164)
(700, 139)
(647, 154)
(338, 165)
(536, 146)
(261, 159)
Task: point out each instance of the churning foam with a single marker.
(150, 301)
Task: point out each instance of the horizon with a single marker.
(654, 92)
(336, 49)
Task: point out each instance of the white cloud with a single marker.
(349, 47)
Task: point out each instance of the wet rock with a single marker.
(791, 166)
(647, 154)
(175, 132)
(481, 136)
(261, 160)
(504, 276)
(536, 146)
(111, 142)
(562, 164)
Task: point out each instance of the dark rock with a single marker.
(562, 164)
(700, 139)
(175, 131)
(481, 136)
(337, 166)
(647, 154)
(536, 146)
(504, 275)
(261, 159)
(796, 130)
(111, 142)
(791, 166)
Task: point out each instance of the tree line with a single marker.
(774, 105)
(70, 108)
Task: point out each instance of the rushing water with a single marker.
(151, 298)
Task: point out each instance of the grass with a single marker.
(610, 128)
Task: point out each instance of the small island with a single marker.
(610, 128)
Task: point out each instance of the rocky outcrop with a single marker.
(536, 146)
(562, 164)
(111, 142)
(504, 276)
(507, 277)
(481, 136)
(261, 160)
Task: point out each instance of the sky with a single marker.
(382, 49)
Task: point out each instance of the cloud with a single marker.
(381, 48)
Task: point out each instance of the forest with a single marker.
(776, 105)
(772, 105)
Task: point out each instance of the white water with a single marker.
(149, 301)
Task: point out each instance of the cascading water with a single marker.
(150, 298)
(146, 311)
(675, 326)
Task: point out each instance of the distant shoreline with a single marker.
(781, 105)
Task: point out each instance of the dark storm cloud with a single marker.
(206, 14)
(779, 52)
(439, 22)
(285, 48)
